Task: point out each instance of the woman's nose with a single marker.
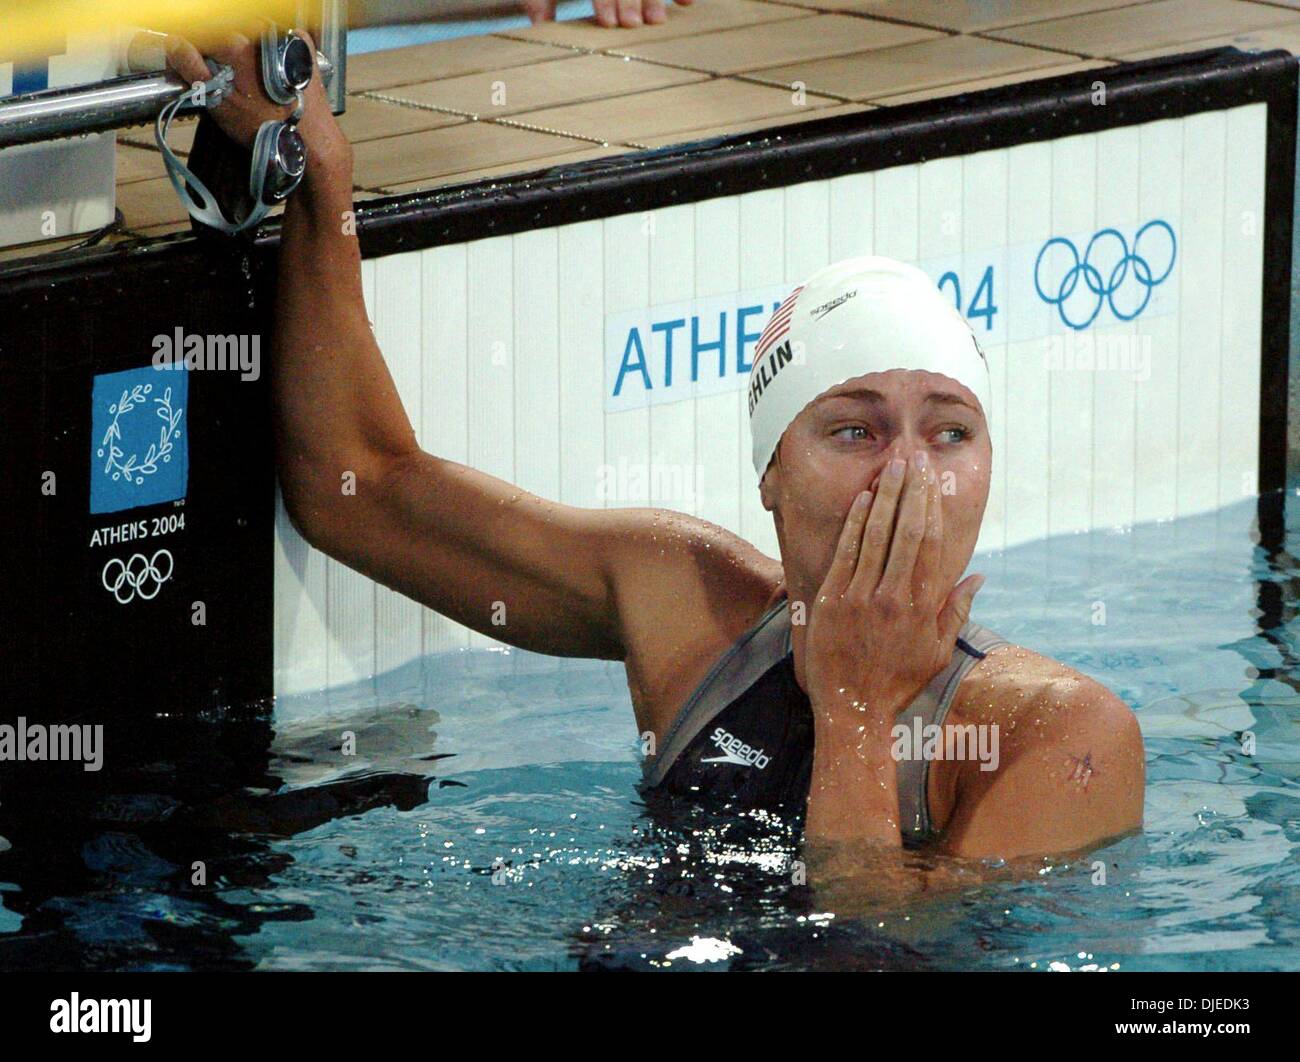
(897, 451)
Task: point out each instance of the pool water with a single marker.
(384, 38)
(491, 819)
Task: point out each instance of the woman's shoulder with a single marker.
(1069, 761)
(1015, 686)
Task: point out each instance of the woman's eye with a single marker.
(861, 433)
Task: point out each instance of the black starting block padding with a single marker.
(138, 513)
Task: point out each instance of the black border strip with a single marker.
(1275, 304)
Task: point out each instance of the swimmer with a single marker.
(763, 681)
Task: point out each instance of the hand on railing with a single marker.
(246, 105)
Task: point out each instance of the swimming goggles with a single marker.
(279, 152)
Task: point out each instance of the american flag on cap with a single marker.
(778, 326)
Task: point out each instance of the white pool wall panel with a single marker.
(499, 349)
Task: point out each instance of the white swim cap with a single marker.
(852, 317)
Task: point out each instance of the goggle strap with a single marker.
(213, 91)
(181, 175)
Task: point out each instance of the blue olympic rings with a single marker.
(1092, 277)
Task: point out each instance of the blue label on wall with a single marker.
(139, 452)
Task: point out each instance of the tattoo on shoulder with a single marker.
(1083, 769)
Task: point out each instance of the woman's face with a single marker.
(840, 443)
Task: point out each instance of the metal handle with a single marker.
(137, 98)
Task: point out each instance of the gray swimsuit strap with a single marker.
(931, 707)
(763, 646)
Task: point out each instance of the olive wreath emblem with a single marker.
(134, 468)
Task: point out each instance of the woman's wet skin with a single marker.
(842, 443)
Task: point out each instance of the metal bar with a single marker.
(132, 100)
(327, 21)
(63, 112)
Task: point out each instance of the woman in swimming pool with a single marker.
(763, 682)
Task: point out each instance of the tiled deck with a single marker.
(468, 108)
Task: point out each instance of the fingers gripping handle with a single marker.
(249, 183)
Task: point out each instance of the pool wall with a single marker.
(1120, 246)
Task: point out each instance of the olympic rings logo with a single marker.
(140, 576)
(1114, 274)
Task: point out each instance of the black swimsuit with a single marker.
(745, 736)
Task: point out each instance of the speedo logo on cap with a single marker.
(818, 312)
(736, 751)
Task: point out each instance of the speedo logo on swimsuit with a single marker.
(736, 751)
